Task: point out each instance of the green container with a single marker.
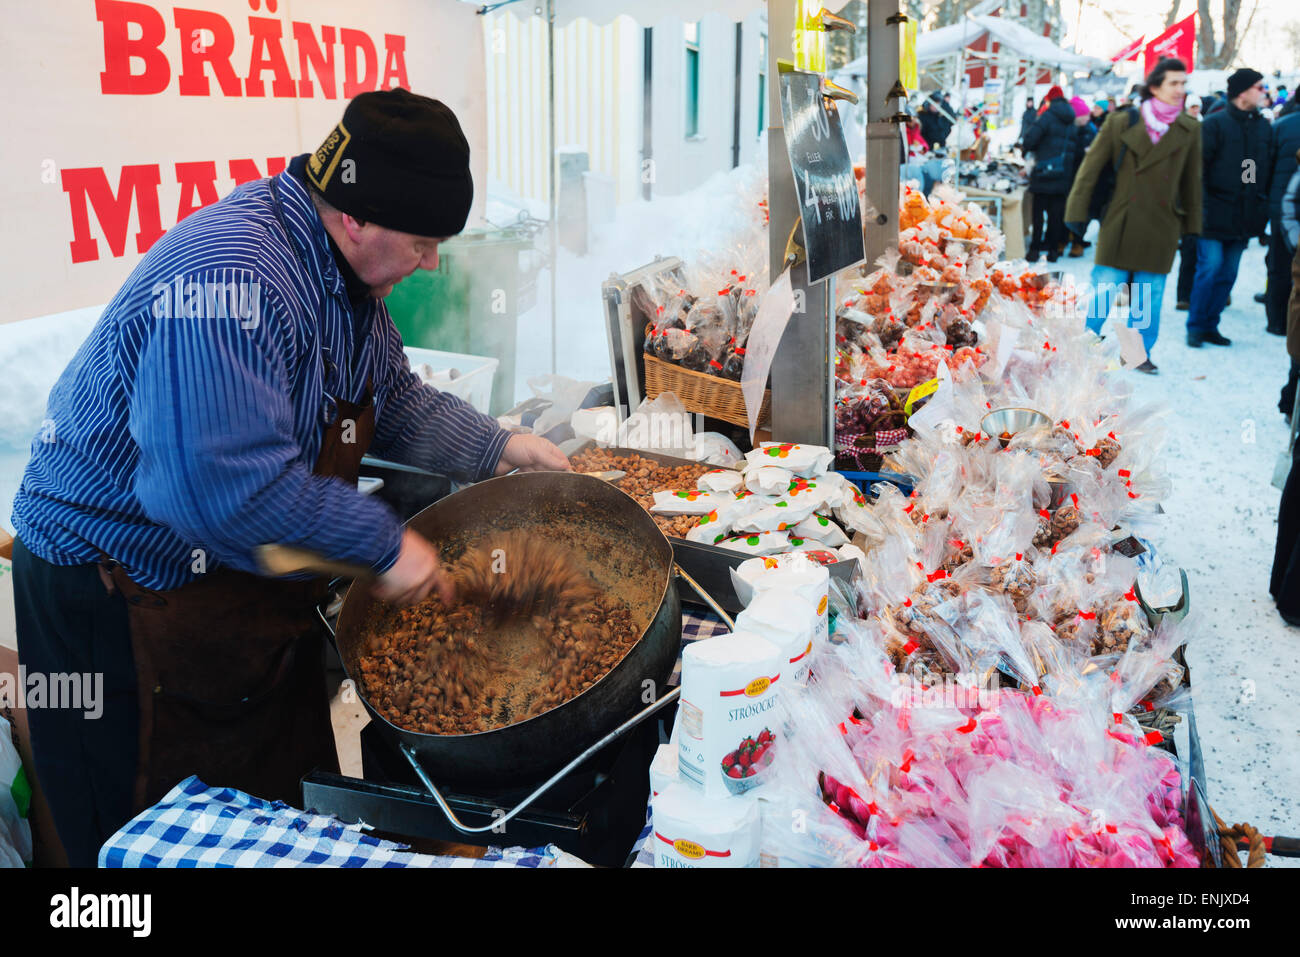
(472, 302)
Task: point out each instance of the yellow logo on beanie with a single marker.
(322, 164)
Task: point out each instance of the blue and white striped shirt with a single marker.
(184, 431)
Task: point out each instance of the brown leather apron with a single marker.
(229, 668)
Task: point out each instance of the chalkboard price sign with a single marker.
(823, 176)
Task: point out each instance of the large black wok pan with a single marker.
(627, 556)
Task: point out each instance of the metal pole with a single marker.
(883, 144)
(961, 85)
(802, 387)
(550, 153)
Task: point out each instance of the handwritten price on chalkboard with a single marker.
(819, 124)
(836, 194)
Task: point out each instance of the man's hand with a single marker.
(416, 572)
(531, 453)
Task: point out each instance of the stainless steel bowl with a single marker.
(1011, 421)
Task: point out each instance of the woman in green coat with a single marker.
(1155, 152)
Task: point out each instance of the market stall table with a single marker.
(1013, 216)
(199, 825)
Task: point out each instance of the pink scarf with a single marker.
(1158, 117)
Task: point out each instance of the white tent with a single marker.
(933, 45)
(645, 12)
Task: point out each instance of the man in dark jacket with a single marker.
(1236, 150)
(1049, 139)
(1027, 119)
(1286, 140)
(1081, 136)
(935, 127)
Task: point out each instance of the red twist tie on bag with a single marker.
(968, 727)
(1153, 737)
(910, 647)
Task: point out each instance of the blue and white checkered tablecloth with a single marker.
(199, 826)
(195, 825)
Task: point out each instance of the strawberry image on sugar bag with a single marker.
(690, 830)
(728, 703)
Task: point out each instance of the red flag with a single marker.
(1178, 41)
(1130, 52)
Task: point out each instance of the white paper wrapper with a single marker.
(767, 479)
(790, 622)
(720, 480)
(758, 543)
(663, 769)
(778, 513)
(818, 528)
(688, 502)
(805, 461)
(719, 523)
(690, 830)
(792, 572)
(851, 552)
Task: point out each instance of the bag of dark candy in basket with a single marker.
(869, 421)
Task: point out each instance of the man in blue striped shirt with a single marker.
(223, 401)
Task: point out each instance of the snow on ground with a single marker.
(1225, 434)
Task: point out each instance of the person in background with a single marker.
(1236, 149)
(1026, 120)
(1219, 102)
(935, 127)
(1284, 583)
(1081, 137)
(1281, 99)
(1098, 113)
(915, 164)
(1286, 140)
(1187, 246)
(1157, 198)
(1049, 181)
(1289, 229)
(1291, 105)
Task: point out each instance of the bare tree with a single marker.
(1172, 16)
(1216, 56)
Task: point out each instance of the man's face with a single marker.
(383, 257)
(1251, 98)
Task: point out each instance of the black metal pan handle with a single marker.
(554, 779)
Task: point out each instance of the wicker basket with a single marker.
(708, 394)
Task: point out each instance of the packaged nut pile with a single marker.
(701, 322)
(990, 694)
